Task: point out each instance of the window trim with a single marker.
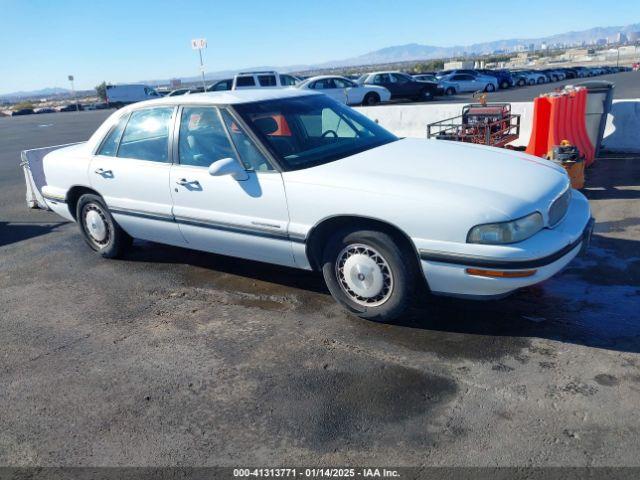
(96, 150)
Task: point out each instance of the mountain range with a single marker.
(399, 53)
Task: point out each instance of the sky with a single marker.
(43, 41)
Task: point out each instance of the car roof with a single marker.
(320, 77)
(228, 97)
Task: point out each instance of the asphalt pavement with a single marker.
(175, 357)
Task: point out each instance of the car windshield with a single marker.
(311, 130)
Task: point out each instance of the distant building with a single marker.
(175, 83)
(633, 37)
(621, 38)
(544, 46)
(532, 47)
(601, 41)
(458, 65)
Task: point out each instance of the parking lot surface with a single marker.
(175, 357)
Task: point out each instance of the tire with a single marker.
(426, 95)
(391, 273)
(371, 99)
(490, 88)
(540, 81)
(99, 229)
(522, 83)
(504, 85)
(450, 91)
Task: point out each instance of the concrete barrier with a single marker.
(622, 132)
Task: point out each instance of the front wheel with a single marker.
(369, 274)
(450, 91)
(490, 88)
(427, 95)
(99, 229)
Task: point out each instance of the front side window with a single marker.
(287, 80)
(146, 136)
(342, 83)
(109, 146)
(203, 139)
(306, 131)
(399, 78)
(250, 155)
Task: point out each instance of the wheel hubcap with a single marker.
(364, 275)
(96, 225)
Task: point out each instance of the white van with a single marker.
(267, 79)
(120, 95)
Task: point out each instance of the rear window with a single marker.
(267, 80)
(245, 82)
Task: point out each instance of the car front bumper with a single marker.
(544, 254)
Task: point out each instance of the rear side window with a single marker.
(245, 82)
(267, 80)
(110, 145)
(146, 136)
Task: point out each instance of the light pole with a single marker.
(200, 44)
(73, 92)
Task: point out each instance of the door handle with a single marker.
(102, 171)
(184, 182)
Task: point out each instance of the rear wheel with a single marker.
(99, 229)
(490, 88)
(450, 91)
(540, 81)
(369, 274)
(505, 85)
(371, 99)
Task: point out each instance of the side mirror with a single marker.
(228, 166)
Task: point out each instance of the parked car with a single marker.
(533, 77)
(400, 85)
(221, 85)
(266, 79)
(121, 95)
(294, 178)
(22, 111)
(445, 87)
(72, 107)
(472, 83)
(345, 91)
(505, 80)
(45, 110)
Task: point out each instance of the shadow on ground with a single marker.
(13, 232)
(594, 302)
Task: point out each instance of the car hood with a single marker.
(496, 183)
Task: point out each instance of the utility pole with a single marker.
(73, 92)
(200, 44)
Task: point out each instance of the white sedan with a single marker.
(294, 178)
(345, 91)
(471, 83)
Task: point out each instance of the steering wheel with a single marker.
(324, 134)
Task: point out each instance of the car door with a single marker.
(384, 80)
(131, 171)
(348, 91)
(329, 87)
(242, 217)
(404, 86)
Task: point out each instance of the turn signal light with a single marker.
(500, 273)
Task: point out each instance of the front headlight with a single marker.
(506, 232)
